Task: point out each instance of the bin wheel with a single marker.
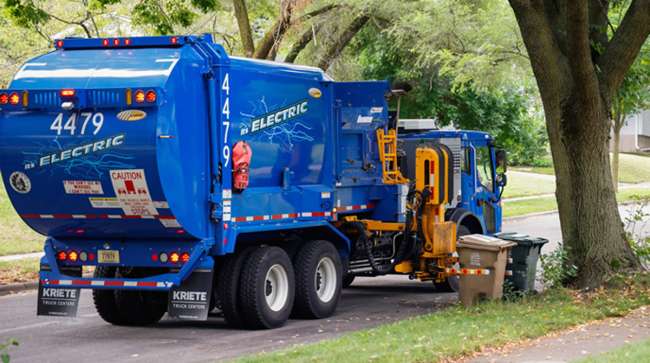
(452, 284)
(131, 308)
(227, 288)
(347, 280)
(318, 280)
(266, 288)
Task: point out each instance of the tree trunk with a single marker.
(245, 33)
(267, 47)
(559, 36)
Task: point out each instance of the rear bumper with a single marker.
(51, 275)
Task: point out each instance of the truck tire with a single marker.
(347, 280)
(452, 283)
(105, 299)
(266, 289)
(228, 287)
(318, 280)
(131, 308)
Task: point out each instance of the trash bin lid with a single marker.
(483, 242)
(522, 239)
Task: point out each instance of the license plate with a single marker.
(108, 256)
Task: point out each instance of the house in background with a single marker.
(635, 134)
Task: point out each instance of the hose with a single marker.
(376, 267)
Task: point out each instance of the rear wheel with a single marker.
(318, 280)
(452, 284)
(228, 287)
(122, 307)
(266, 289)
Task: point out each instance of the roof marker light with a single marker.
(105, 42)
(66, 93)
(116, 42)
(127, 42)
(59, 43)
(174, 40)
(14, 99)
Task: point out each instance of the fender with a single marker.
(462, 216)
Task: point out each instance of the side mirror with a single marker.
(501, 161)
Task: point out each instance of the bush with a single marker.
(634, 225)
(556, 268)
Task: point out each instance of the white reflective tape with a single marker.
(47, 216)
(227, 202)
(285, 216)
(226, 194)
(148, 217)
(161, 284)
(130, 283)
(266, 218)
(114, 216)
(96, 283)
(227, 209)
(227, 217)
(306, 214)
(65, 282)
(249, 219)
(78, 216)
(327, 214)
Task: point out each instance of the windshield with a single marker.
(484, 165)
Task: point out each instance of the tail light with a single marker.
(61, 256)
(163, 257)
(139, 96)
(83, 256)
(174, 257)
(73, 256)
(4, 99)
(14, 99)
(67, 93)
(185, 257)
(151, 96)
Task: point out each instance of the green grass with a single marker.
(25, 270)
(521, 185)
(458, 331)
(15, 236)
(629, 353)
(547, 204)
(633, 168)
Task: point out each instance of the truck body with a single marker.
(177, 171)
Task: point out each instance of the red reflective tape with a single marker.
(258, 218)
(318, 214)
(166, 217)
(52, 282)
(31, 216)
(81, 282)
(128, 216)
(147, 283)
(113, 283)
(62, 216)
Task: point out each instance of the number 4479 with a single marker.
(76, 121)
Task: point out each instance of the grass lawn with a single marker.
(633, 169)
(546, 204)
(459, 331)
(25, 270)
(521, 185)
(629, 353)
(15, 236)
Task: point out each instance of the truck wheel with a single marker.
(228, 287)
(347, 280)
(266, 289)
(452, 284)
(318, 280)
(121, 307)
(105, 299)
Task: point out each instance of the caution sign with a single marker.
(132, 192)
(191, 301)
(57, 301)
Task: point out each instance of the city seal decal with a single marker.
(20, 182)
(276, 117)
(131, 115)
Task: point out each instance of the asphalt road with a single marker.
(369, 302)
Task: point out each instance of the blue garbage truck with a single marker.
(172, 178)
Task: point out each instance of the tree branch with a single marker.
(624, 46)
(579, 50)
(245, 33)
(335, 49)
(274, 35)
(301, 43)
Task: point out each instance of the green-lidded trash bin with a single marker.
(524, 258)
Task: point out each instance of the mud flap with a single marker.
(191, 300)
(57, 301)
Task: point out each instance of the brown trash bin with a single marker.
(483, 262)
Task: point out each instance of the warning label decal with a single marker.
(83, 187)
(132, 192)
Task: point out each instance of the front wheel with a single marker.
(318, 280)
(266, 291)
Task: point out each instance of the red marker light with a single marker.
(151, 96)
(67, 93)
(116, 42)
(91, 256)
(127, 41)
(14, 99)
(61, 256)
(154, 257)
(105, 42)
(185, 257)
(59, 43)
(174, 40)
(139, 96)
(4, 99)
